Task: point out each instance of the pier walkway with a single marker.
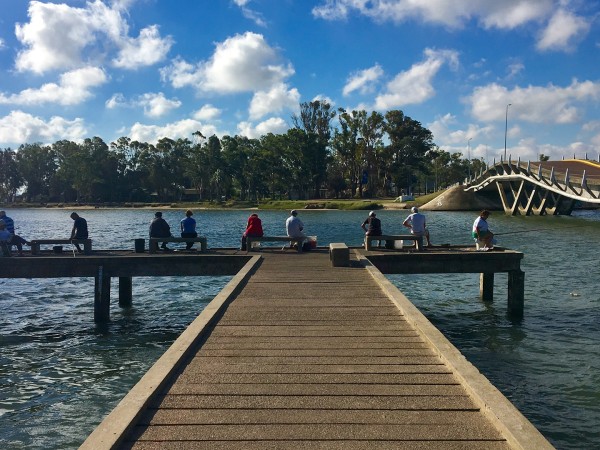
(295, 354)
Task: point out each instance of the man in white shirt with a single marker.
(293, 225)
(417, 224)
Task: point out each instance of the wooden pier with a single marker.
(295, 353)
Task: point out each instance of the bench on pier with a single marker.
(339, 254)
(153, 244)
(297, 240)
(35, 244)
(390, 239)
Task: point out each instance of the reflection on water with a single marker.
(60, 373)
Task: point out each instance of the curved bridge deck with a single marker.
(295, 353)
(540, 188)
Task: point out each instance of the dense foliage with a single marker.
(366, 155)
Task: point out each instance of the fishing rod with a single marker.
(521, 231)
(528, 231)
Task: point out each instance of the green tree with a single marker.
(38, 167)
(315, 120)
(11, 179)
(409, 147)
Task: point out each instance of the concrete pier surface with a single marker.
(295, 353)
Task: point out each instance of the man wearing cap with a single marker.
(418, 225)
(160, 228)
(294, 226)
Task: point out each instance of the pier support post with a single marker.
(125, 292)
(101, 297)
(486, 286)
(516, 293)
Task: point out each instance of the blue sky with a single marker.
(154, 68)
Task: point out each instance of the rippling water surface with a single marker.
(60, 374)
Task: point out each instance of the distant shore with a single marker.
(317, 205)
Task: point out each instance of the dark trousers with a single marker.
(193, 234)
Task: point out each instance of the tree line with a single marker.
(365, 155)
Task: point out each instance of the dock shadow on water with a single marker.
(65, 371)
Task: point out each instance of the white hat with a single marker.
(372, 213)
(414, 209)
(293, 212)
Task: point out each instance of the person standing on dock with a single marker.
(80, 229)
(188, 228)
(253, 228)
(481, 231)
(160, 228)
(417, 224)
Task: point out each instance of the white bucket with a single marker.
(398, 244)
(255, 244)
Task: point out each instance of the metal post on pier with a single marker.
(125, 292)
(101, 296)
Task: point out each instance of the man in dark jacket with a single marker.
(160, 228)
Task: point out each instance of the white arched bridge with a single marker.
(542, 187)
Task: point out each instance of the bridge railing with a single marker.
(579, 187)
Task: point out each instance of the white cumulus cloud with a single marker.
(275, 125)
(415, 85)
(19, 127)
(74, 88)
(145, 50)
(275, 100)
(563, 31)
(57, 36)
(536, 104)
(182, 129)
(450, 13)
(207, 112)
(242, 63)
(363, 80)
(157, 105)
(154, 104)
(564, 28)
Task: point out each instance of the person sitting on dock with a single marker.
(481, 231)
(188, 228)
(417, 224)
(80, 229)
(372, 225)
(253, 228)
(294, 226)
(5, 238)
(15, 239)
(160, 228)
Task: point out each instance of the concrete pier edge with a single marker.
(516, 428)
(112, 430)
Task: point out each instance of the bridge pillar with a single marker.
(125, 292)
(516, 293)
(101, 296)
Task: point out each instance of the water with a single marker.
(60, 374)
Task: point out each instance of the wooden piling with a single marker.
(125, 292)
(516, 293)
(486, 287)
(101, 296)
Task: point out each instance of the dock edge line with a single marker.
(110, 433)
(519, 432)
